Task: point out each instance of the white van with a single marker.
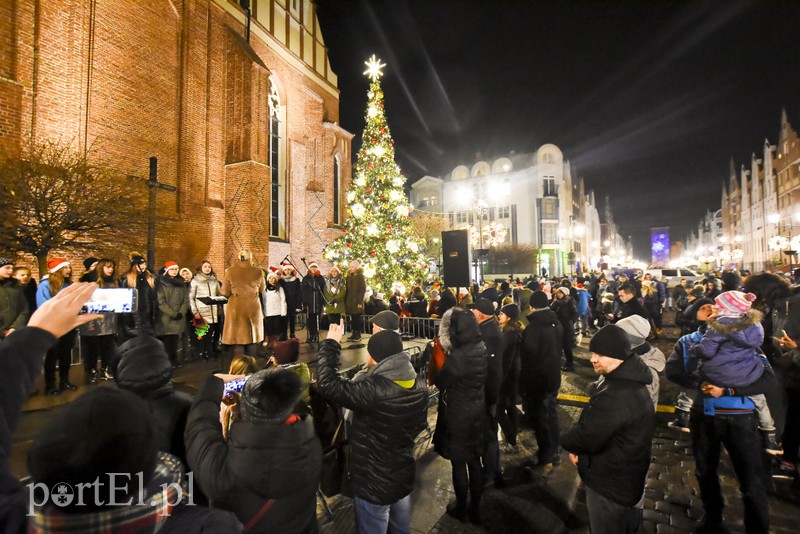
(674, 276)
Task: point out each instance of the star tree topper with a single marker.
(374, 66)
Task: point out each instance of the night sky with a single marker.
(648, 100)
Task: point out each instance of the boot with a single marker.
(457, 510)
(67, 386)
(105, 374)
(91, 376)
(474, 512)
(771, 443)
(51, 390)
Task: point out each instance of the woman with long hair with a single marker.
(459, 435)
(244, 319)
(507, 413)
(99, 334)
(140, 278)
(206, 284)
(59, 277)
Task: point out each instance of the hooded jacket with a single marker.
(613, 436)
(390, 404)
(540, 354)
(729, 350)
(260, 461)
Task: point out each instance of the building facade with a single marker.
(242, 118)
(759, 219)
(534, 196)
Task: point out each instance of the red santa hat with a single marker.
(286, 265)
(169, 265)
(313, 265)
(56, 264)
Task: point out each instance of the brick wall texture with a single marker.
(177, 80)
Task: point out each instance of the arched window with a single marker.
(337, 187)
(277, 164)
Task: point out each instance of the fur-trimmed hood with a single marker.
(462, 330)
(730, 325)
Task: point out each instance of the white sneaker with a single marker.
(579, 338)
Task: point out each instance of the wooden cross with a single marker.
(154, 186)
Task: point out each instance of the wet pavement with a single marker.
(526, 503)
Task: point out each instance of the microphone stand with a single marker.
(317, 291)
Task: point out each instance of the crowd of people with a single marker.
(244, 453)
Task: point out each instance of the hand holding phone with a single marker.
(112, 300)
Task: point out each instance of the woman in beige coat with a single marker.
(244, 320)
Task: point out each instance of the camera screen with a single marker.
(106, 300)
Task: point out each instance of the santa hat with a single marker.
(274, 270)
(169, 265)
(56, 264)
(313, 265)
(286, 265)
(734, 303)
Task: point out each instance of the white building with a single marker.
(534, 196)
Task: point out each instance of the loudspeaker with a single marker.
(456, 260)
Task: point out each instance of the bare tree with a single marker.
(429, 226)
(53, 197)
(513, 258)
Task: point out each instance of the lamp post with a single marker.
(789, 245)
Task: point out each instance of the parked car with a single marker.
(674, 276)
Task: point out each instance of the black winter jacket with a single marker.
(540, 354)
(567, 313)
(14, 311)
(613, 436)
(632, 307)
(293, 292)
(462, 403)
(390, 405)
(446, 301)
(258, 462)
(313, 288)
(508, 390)
(493, 339)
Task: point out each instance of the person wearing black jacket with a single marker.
(446, 301)
(14, 311)
(389, 404)
(483, 310)
(268, 470)
(567, 312)
(459, 435)
(312, 288)
(611, 441)
(540, 377)
(507, 413)
(294, 299)
(629, 303)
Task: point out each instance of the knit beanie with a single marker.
(734, 303)
(88, 262)
(731, 280)
(6, 261)
(270, 396)
(697, 291)
(539, 300)
(636, 327)
(137, 259)
(511, 310)
(485, 306)
(387, 320)
(384, 344)
(611, 341)
(106, 430)
(143, 365)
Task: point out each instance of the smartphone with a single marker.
(112, 300)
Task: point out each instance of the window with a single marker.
(337, 185)
(549, 208)
(504, 212)
(277, 209)
(549, 233)
(550, 189)
(461, 217)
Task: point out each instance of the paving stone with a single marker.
(667, 529)
(648, 527)
(682, 522)
(680, 496)
(695, 513)
(655, 517)
(669, 508)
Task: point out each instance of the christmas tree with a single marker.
(378, 230)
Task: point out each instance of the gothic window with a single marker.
(277, 164)
(337, 187)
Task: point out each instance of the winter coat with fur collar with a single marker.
(729, 351)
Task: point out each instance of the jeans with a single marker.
(608, 517)
(380, 518)
(507, 418)
(583, 321)
(355, 324)
(61, 354)
(540, 408)
(739, 434)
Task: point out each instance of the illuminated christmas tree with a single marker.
(378, 230)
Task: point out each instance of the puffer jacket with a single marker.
(729, 350)
(462, 403)
(540, 354)
(389, 404)
(274, 301)
(204, 286)
(260, 461)
(613, 436)
(173, 303)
